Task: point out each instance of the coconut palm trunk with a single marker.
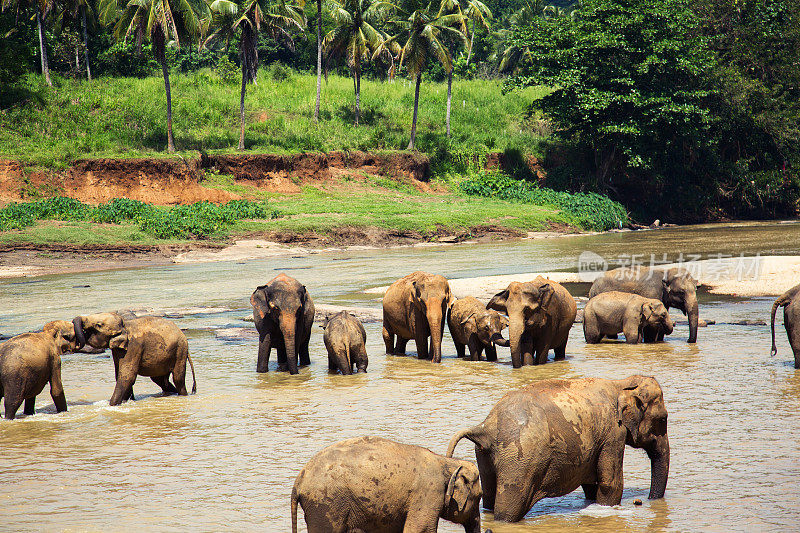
(85, 44)
(241, 101)
(319, 59)
(416, 107)
(43, 48)
(449, 98)
(158, 50)
(357, 87)
(471, 39)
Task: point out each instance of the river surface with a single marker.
(225, 458)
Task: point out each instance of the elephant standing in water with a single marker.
(31, 360)
(371, 484)
(790, 300)
(540, 314)
(674, 287)
(473, 326)
(615, 312)
(284, 315)
(345, 340)
(148, 346)
(548, 438)
(415, 307)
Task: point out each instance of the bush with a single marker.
(200, 220)
(588, 210)
(227, 70)
(123, 59)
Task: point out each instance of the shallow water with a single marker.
(226, 458)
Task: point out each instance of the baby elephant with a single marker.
(477, 328)
(345, 340)
(31, 360)
(374, 484)
(614, 312)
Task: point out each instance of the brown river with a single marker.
(225, 459)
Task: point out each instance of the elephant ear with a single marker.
(303, 295)
(545, 294)
(457, 490)
(119, 342)
(259, 301)
(463, 322)
(630, 409)
(499, 301)
(647, 311)
(504, 322)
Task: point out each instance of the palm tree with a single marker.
(163, 20)
(513, 54)
(475, 10)
(319, 59)
(423, 31)
(274, 17)
(41, 9)
(78, 9)
(354, 37)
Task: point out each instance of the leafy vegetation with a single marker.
(199, 220)
(586, 210)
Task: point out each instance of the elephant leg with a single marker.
(590, 491)
(511, 503)
(632, 332)
(362, 360)
(459, 349)
(12, 403)
(488, 477)
(491, 353)
(388, 340)
(609, 474)
(561, 352)
(421, 340)
(123, 389)
(179, 371)
(332, 366)
(660, 336)
(280, 347)
(401, 346)
(526, 347)
(264, 347)
(649, 334)
(166, 387)
(542, 351)
(474, 350)
(57, 388)
(794, 340)
(302, 349)
(30, 406)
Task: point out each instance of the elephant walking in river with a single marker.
(551, 437)
(790, 300)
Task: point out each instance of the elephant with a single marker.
(31, 360)
(374, 484)
(284, 315)
(675, 287)
(478, 328)
(614, 312)
(414, 307)
(345, 340)
(791, 321)
(540, 314)
(148, 346)
(550, 437)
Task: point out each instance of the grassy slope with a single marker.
(126, 116)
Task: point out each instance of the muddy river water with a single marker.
(225, 459)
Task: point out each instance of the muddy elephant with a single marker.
(614, 312)
(540, 314)
(31, 360)
(674, 287)
(473, 326)
(345, 340)
(284, 315)
(790, 300)
(548, 438)
(148, 346)
(373, 484)
(415, 307)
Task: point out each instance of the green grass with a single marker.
(113, 117)
(46, 232)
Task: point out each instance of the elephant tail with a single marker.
(476, 434)
(194, 378)
(783, 300)
(294, 509)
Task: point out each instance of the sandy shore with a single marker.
(749, 276)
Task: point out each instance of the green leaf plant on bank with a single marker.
(199, 220)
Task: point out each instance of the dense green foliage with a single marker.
(199, 220)
(586, 210)
(687, 110)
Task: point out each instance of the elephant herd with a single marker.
(543, 440)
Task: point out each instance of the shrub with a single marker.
(588, 210)
(227, 70)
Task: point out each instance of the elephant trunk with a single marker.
(668, 325)
(80, 335)
(693, 312)
(659, 466)
(436, 326)
(516, 329)
(778, 303)
(288, 330)
(498, 339)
